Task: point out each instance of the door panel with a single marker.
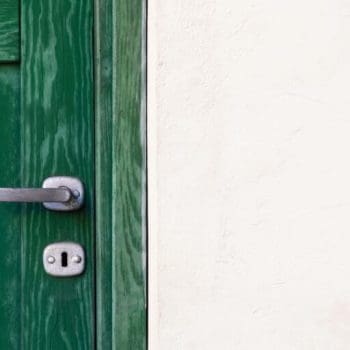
(9, 30)
(57, 139)
(52, 134)
(10, 213)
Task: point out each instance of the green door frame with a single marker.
(120, 152)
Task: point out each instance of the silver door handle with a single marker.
(60, 193)
(54, 195)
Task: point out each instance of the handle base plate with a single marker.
(75, 186)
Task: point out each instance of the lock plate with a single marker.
(64, 259)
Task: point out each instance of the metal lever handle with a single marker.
(60, 193)
(53, 195)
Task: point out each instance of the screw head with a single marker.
(51, 259)
(76, 259)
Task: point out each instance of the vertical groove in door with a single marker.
(57, 139)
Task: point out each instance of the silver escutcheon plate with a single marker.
(64, 259)
(73, 184)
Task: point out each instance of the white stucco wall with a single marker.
(249, 174)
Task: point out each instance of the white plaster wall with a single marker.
(249, 174)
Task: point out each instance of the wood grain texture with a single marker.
(120, 174)
(57, 139)
(10, 308)
(9, 30)
(104, 160)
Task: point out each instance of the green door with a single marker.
(50, 94)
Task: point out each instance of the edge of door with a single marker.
(120, 161)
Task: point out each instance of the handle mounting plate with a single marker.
(74, 185)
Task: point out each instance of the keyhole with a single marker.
(64, 259)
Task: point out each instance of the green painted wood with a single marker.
(10, 229)
(56, 139)
(54, 135)
(104, 120)
(120, 174)
(9, 30)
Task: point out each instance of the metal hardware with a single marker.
(64, 259)
(60, 193)
(50, 259)
(73, 184)
(76, 259)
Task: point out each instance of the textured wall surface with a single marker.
(249, 170)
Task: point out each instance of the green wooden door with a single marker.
(58, 116)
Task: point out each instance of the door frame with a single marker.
(120, 168)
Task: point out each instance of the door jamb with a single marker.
(120, 168)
